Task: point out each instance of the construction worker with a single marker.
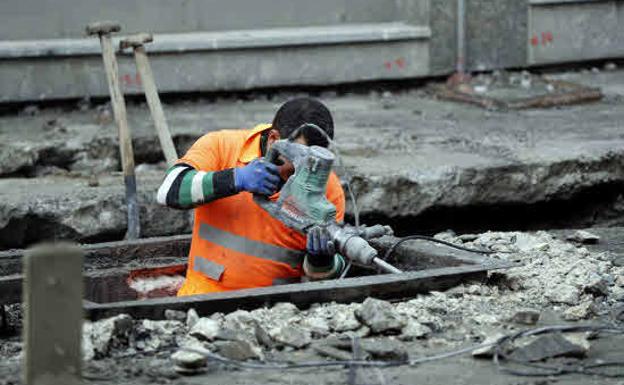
(236, 244)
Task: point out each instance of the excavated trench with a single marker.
(600, 205)
(120, 275)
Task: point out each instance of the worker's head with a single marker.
(296, 120)
(292, 117)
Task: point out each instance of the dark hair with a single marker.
(297, 112)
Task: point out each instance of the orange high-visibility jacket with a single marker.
(236, 244)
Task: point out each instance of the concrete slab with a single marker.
(433, 164)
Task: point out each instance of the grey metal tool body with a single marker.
(104, 29)
(302, 203)
(136, 42)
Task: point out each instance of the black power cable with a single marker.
(434, 240)
(588, 369)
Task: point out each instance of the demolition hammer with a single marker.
(302, 203)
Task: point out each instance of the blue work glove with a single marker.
(320, 247)
(259, 176)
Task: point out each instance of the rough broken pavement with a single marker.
(409, 157)
(540, 292)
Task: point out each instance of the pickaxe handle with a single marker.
(153, 101)
(125, 141)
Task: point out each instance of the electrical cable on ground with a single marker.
(498, 355)
(434, 240)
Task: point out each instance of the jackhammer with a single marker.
(302, 203)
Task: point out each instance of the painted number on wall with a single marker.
(399, 63)
(545, 39)
(131, 81)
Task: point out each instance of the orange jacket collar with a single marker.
(251, 148)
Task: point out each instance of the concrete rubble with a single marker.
(557, 276)
(555, 283)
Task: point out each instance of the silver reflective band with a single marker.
(286, 281)
(208, 268)
(249, 246)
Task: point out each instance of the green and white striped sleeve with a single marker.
(185, 187)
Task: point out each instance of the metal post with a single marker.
(52, 333)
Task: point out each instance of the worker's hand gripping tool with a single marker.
(302, 203)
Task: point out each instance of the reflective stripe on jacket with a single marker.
(236, 244)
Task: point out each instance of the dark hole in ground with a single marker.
(597, 206)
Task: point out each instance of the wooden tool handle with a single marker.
(153, 101)
(119, 106)
(125, 140)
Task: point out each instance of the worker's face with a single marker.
(287, 168)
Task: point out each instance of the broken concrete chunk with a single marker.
(263, 337)
(88, 350)
(597, 286)
(579, 339)
(108, 334)
(343, 321)
(205, 329)
(526, 317)
(413, 330)
(339, 342)
(475, 289)
(549, 346)
(579, 312)
(584, 237)
(295, 337)
(163, 326)
(468, 237)
(175, 315)
(229, 334)
(318, 326)
(618, 313)
(284, 310)
(361, 332)
(563, 293)
(385, 349)
(240, 319)
(457, 291)
(189, 360)
(380, 316)
(447, 235)
(237, 350)
(332, 352)
(154, 335)
(191, 318)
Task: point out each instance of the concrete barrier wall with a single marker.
(563, 31)
(216, 45)
(37, 19)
